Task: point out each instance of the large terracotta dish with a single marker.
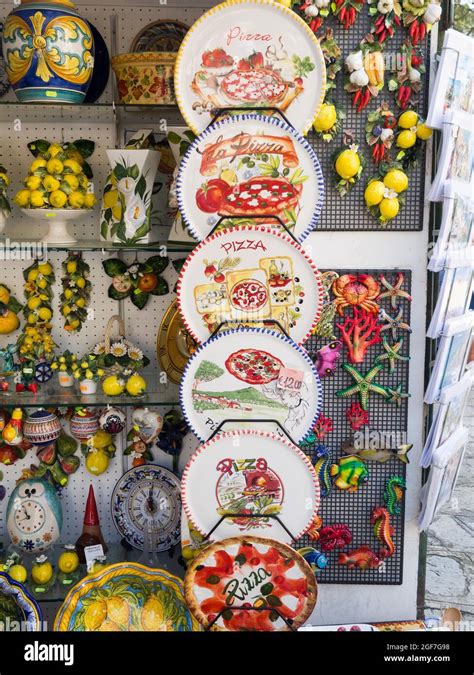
(250, 53)
(126, 597)
(250, 583)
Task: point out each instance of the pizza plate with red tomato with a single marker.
(251, 378)
(250, 274)
(250, 166)
(250, 583)
(256, 475)
(250, 53)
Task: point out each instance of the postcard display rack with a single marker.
(347, 239)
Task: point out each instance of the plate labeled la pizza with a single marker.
(254, 378)
(250, 583)
(257, 476)
(250, 53)
(250, 166)
(249, 274)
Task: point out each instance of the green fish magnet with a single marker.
(350, 472)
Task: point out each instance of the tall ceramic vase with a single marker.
(127, 204)
(49, 52)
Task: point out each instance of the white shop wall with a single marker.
(330, 250)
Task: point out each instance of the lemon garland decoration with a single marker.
(137, 281)
(412, 133)
(9, 309)
(348, 165)
(5, 207)
(76, 294)
(36, 342)
(384, 193)
(98, 451)
(327, 123)
(59, 177)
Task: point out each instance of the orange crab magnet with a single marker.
(356, 290)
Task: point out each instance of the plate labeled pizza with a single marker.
(265, 480)
(251, 378)
(249, 274)
(250, 166)
(250, 583)
(250, 53)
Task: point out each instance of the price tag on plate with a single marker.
(290, 379)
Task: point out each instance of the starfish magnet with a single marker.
(364, 385)
(394, 323)
(392, 354)
(397, 395)
(394, 291)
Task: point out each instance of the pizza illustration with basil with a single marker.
(254, 366)
(249, 295)
(250, 583)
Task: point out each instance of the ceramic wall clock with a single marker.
(249, 274)
(246, 166)
(17, 606)
(250, 472)
(251, 374)
(228, 577)
(34, 515)
(174, 344)
(126, 597)
(147, 502)
(246, 53)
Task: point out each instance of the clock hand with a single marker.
(28, 517)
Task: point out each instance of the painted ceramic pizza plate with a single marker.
(252, 473)
(255, 378)
(250, 166)
(147, 499)
(250, 53)
(230, 577)
(249, 274)
(17, 605)
(126, 597)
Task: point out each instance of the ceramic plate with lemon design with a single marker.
(126, 597)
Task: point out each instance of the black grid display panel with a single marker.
(350, 212)
(354, 509)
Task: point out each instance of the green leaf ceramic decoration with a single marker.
(250, 166)
(249, 274)
(34, 515)
(137, 281)
(250, 472)
(243, 53)
(251, 373)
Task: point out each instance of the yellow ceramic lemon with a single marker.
(118, 610)
(101, 439)
(51, 183)
(80, 282)
(97, 566)
(152, 614)
(33, 182)
(406, 139)
(136, 385)
(55, 166)
(408, 119)
(22, 198)
(68, 561)
(76, 200)
(97, 462)
(34, 303)
(45, 269)
(4, 294)
(113, 386)
(374, 192)
(18, 573)
(37, 199)
(71, 180)
(347, 164)
(45, 314)
(424, 132)
(54, 149)
(89, 200)
(397, 180)
(389, 208)
(38, 164)
(95, 615)
(326, 117)
(74, 166)
(58, 199)
(42, 571)
(9, 322)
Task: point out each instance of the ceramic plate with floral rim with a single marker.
(251, 374)
(126, 597)
(250, 166)
(250, 53)
(250, 473)
(250, 583)
(249, 274)
(18, 609)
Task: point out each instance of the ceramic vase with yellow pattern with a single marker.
(49, 52)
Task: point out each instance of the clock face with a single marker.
(146, 502)
(30, 517)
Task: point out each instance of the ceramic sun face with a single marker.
(34, 515)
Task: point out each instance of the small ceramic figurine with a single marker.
(393, 494)
(383, 530)
(12, 434)
(315, 558)
(380, 454)
(334, 536)
(113, 420)
(91, 532)
(350, 473)
(68, 565)
(361, 557)
(42, 573)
